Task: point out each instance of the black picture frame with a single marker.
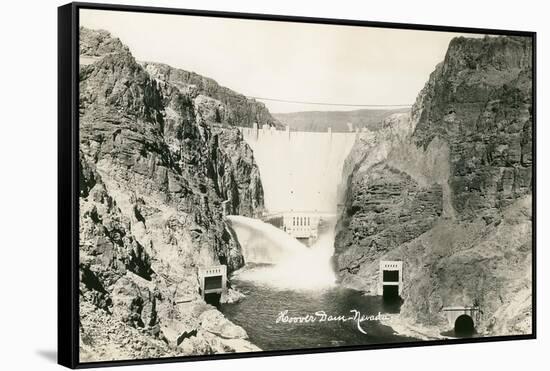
(68, 180)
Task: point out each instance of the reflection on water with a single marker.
(258, 312)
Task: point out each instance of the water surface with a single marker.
(258, 312)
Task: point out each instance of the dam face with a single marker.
(300, 171)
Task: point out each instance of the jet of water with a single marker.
(285, 262)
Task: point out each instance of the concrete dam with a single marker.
(300, 171)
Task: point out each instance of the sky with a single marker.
(285, 60)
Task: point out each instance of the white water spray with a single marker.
(291, 265)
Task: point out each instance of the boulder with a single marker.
(177, 331)
(214, 322)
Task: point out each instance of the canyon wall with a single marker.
(447, 189)
(216, 104)
(155, 182)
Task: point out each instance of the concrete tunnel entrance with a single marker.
(464, 326)
(463, 320)
(213, 283)
(390, 282)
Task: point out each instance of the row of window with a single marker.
(300, 220)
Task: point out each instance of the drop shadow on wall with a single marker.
(49, 355)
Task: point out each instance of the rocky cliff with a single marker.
(479, 101)
(447, 190)
(155, 182)
(217, 104)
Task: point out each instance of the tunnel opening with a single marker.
(464, 326)
(213, 299)
(213, 287)
(390, 293)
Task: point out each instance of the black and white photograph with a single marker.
(252, 185)
(198, 185)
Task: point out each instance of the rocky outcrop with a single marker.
(446, 189)
(479, 101)
(108, 251)
(215, 103)
(460, 264)
(238, 176)
(393, 193)
(386, 211)
(155, 183)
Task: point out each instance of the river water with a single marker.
(258, 313)
(286, 281)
